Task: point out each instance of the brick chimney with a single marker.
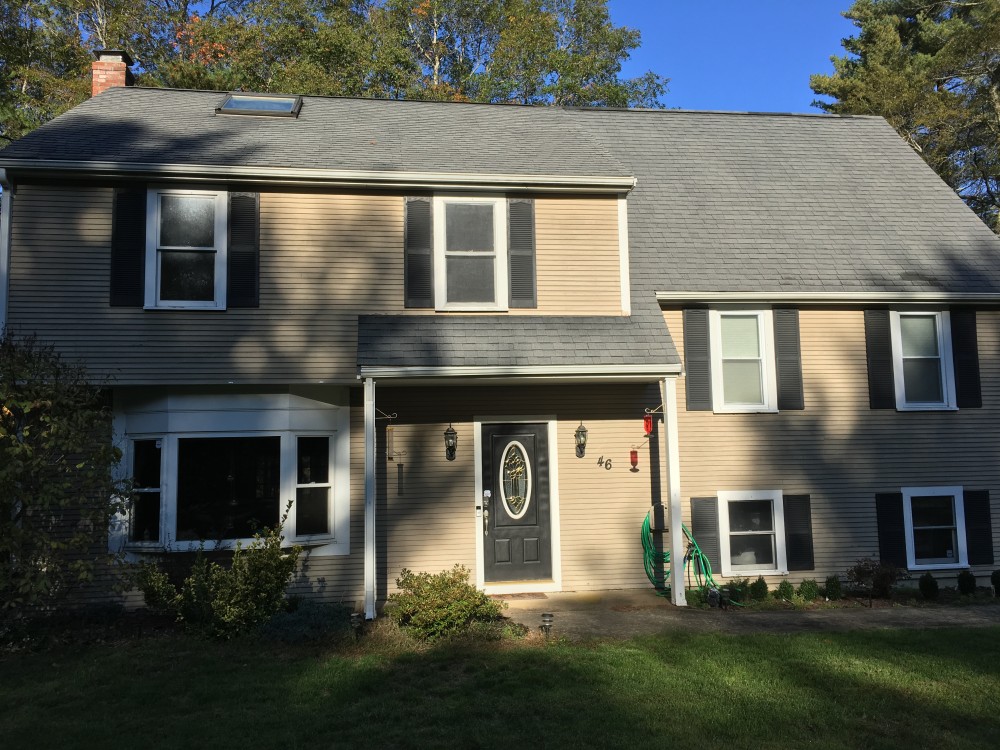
(110, 69)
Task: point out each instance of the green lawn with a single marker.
(883, 689)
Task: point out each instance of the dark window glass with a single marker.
(227, 488)
(933, 510)
(934, 546)
(260, 103)
(312, 510)
(470, 279)
(314, 460)
(187, 276)
(146, 463)
(922, 381)
(144, 524)
(187, 221)
(752, 550)
(469, 227)
(751, 515)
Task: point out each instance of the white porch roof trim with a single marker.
(832, 298)
(541, 372)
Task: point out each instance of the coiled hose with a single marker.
(695, 563)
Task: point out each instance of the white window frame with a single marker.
(176, 417)
(958, 495)
(499, 204)
(152, 299)
(778, 508)
(769, 381)
(943, 321)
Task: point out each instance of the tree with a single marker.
(57, 494)
(932, 69)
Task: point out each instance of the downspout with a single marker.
(369, 499)
(6, 214)
(673, 459)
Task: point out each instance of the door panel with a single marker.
(518, 530)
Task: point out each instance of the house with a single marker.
(433, 331)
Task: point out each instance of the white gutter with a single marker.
(327, 177)
(568, 372)
(6, 213)
(831, 298)
(673, 459)
(369, 499)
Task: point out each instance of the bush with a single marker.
(832, 588)
(226, 601)
(758, 589)
(928, 586)
(695, 598)
(57, 492)
(739, 590)
(440, 605)
(785, 590)
(875, 577)
(995, 580)
(309, 622)
(966, 583)
(809, 589)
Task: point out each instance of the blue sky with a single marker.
(744, 55)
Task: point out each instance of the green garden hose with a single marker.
(696, 564)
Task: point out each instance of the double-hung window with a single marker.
(934, 518)
(186, 246)
(470, 253)
(743, 374)
(923, 368)
(752, 532)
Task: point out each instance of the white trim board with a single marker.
(829, 298)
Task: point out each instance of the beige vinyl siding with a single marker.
(325, 258)
(427, 516)
(838, 450)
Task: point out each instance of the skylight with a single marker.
(269, 105)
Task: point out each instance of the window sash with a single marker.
(155, 296)
(905, 399)
(959, 558)
(762, 366)
(445, 259)
(729, 539)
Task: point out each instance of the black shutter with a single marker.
(697, 360)
(978, 529)
(891, 529)
(798, 532)
(128, 247)
(419, 254)
(705, 529)
(878, 343)
(788, 359)
(965, 351)
(521, 251)
(243, 285)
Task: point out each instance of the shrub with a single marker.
(226, 601)
(995, 580)
(309, 622)
(758, 589)
(809, 589)
(832, 588)
(739, 590)
(928, 586)
(875, 577)
(433, 606)
(966, 583)
(785, 590)
(695, 598)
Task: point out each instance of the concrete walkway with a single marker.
(627, 613)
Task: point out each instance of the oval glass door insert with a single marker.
(515, 489)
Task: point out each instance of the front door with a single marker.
(516, 520)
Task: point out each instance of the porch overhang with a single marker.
(499, 375)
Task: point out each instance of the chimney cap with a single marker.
(113, 55)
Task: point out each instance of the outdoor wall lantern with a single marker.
(450, 443)
(581, 440)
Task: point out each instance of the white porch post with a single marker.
(6, 214)
(673, 459)
(369, 499)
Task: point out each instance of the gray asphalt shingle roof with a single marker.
(511, 341)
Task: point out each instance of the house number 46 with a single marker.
(606, 463)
